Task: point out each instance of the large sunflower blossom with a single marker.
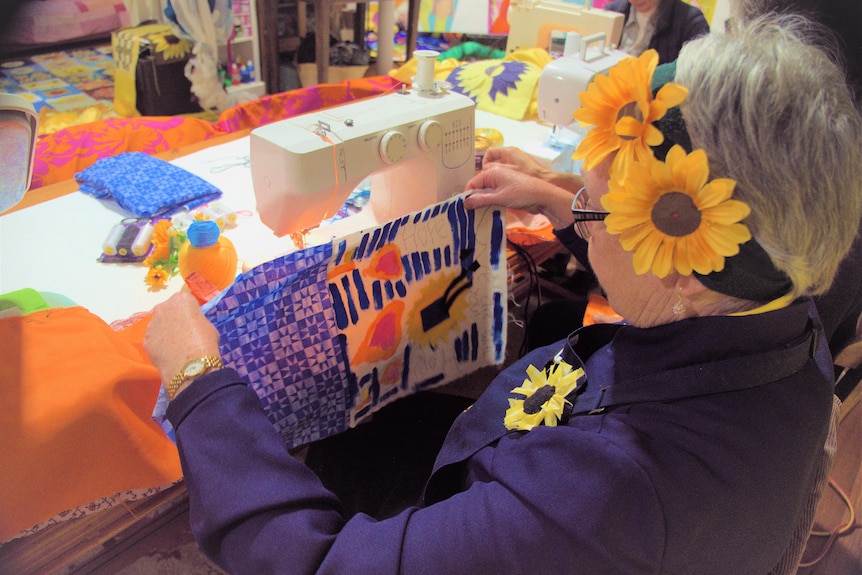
(673, 218)
(544, 396)
(621, 109)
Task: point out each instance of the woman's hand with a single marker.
(501, 185)
(517, 159)
(178, 332)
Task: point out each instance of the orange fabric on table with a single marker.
(76, 419)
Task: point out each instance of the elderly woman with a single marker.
(681, 442)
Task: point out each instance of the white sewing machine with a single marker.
(416, 145)
(533, 23)
(563, 79)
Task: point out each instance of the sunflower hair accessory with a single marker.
(621, 109)
(673, 218)
(545, 396)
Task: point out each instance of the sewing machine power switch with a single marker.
(393, 147)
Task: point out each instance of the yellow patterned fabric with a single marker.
(506, 87)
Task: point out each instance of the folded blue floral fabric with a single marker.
(144, 185)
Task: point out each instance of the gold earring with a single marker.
(678, 308)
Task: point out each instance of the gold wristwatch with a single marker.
(194, 368)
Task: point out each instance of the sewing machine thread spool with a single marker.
(423, 81)
(142, 243)
(109, 247)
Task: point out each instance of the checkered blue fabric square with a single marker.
(144, 185)
(278, 331)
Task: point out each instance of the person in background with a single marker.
(661, 25)
(652, 447)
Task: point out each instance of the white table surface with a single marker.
(54, 246)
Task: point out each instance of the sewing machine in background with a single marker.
(416, 145)
(563, 79)
(558, 96)
(537, 23)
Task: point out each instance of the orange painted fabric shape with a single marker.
(76, 421)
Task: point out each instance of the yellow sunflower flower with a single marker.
(170, 46)
(621, 109)
(157, 277)
(544, 397)
(673, 218)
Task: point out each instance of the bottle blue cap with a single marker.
(203, 233)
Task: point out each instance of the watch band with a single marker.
(203, 365)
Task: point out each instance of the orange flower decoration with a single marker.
(157, 277)
(161, 239)
(621, 109)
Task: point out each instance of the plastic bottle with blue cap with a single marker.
(207, 261)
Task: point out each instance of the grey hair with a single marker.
(773, 112)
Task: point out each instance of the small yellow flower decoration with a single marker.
(161, 240)
(171, 46)
(621, 109)
(157, 277)
(162, 261)
(544, 396)
(673, 218)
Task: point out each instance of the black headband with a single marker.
(750, 274)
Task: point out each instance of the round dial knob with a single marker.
(430, 135)
(393, 147)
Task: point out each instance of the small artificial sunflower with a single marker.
(544, 396)
(157, 277)
(163, 258)
(673, 218)
(621, 109)
(170, 46)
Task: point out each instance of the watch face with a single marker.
(194, 367)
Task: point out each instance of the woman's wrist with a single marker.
(557, 207)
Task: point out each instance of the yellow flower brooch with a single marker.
(668, 213)
(544, 396)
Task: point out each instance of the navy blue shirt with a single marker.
(711, 484)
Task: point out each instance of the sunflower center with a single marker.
(675, 214)
(631, 109)
(534, 403)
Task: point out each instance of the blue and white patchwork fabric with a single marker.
(328, 335)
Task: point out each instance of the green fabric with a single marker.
(472, 51)
(27, 300)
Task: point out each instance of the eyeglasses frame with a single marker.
(582, 216)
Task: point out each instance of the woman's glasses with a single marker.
(583, 214)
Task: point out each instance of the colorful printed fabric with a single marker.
(63, 154)
(328, 335)
(144, 185)
(276, 107)
(503, 87)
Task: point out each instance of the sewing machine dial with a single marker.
(393, 147)
(430, 135)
